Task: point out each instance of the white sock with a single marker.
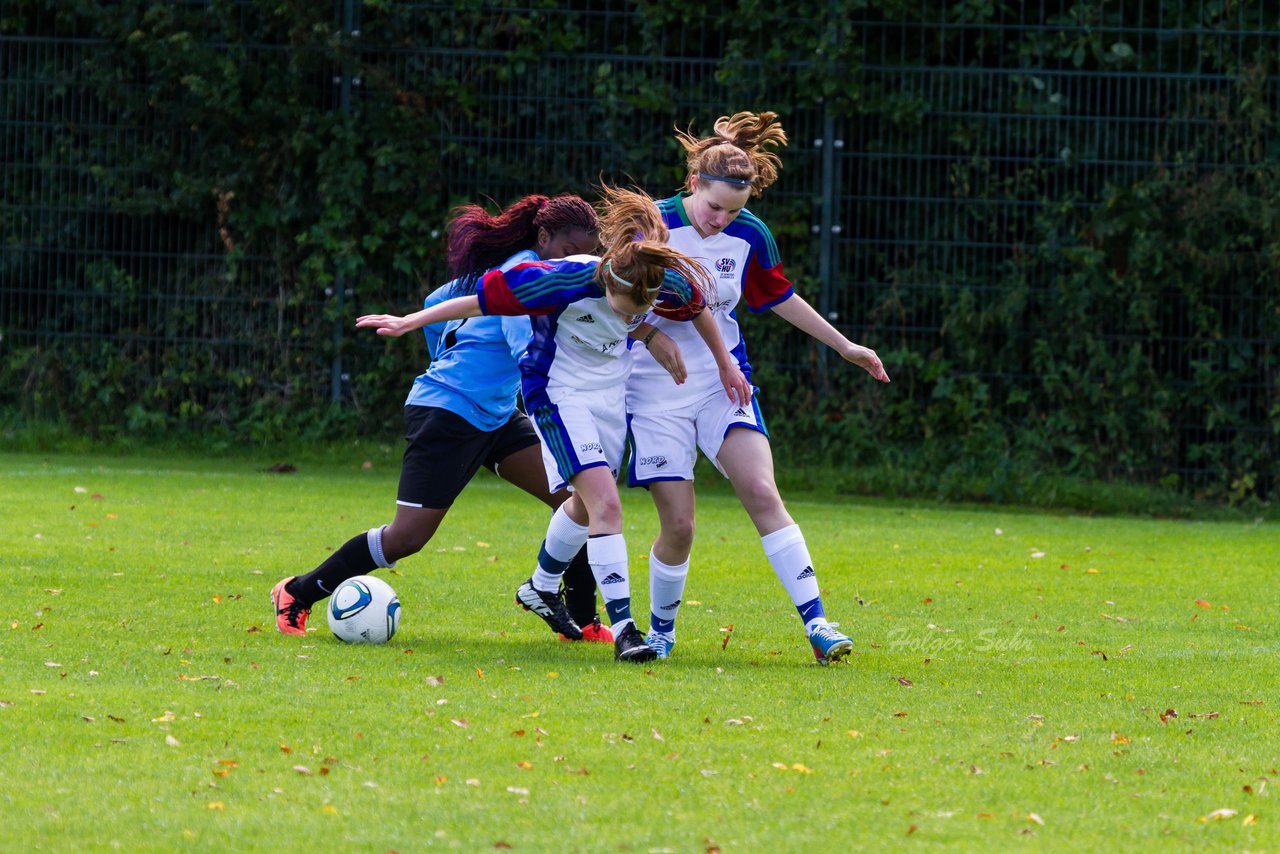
(374, 539)
(564, 539)
(789, 557)
(666, 589)
(607, 555)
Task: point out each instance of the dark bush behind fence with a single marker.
(1059, 223)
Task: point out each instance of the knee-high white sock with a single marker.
(564, 539)
(666, 589)
(607, 554)
(789, 557)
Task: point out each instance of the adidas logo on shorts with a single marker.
(614, 578)
(740, 412)
(808, 573)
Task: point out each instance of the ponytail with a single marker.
(637, 260)
(739, 152)
(479, 241)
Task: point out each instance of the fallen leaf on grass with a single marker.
(1037, 819)
(1217, 815)
(1201, 603)
(1167, 714)
(902, 680)
(434, 680)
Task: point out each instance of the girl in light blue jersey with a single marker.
(667, 426)
(461, 412)
(586, 311)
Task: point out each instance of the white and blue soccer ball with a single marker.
(364, 609)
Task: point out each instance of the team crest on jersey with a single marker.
(726, 266)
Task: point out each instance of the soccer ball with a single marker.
(364, 609)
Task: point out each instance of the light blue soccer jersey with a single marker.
(474, 362)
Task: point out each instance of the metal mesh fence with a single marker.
(968, 130)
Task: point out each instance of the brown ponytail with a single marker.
(636, 256)
(739, 150)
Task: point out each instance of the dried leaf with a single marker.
(1217, 815)
(524, 763)
(434, 680)
(1037, 819)
(459, 722)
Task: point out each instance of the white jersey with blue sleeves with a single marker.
(474, 362)
(743, 263)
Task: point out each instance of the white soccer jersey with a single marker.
(742, 261)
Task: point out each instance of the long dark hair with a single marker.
(479, 241)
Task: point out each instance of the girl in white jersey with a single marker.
(585, 311)
(667, 425)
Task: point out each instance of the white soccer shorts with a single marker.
(579, 430)
(664, 445)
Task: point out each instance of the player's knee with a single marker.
(607, 513)
(677, 534)
(759, 495)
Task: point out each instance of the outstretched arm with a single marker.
(731, 377)
(395, 325)
(801, 315)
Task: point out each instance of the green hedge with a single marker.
(196, 206)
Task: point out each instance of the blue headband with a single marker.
(737, 182)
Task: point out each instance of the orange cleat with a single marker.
(595, 632)
(291, 615)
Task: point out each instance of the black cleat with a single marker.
(550, 607)
(628, 645)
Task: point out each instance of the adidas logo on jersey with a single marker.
(672, 606)
(586, 318)
(808, 573)
(612, 578)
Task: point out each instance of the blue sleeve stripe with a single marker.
(529, 285)
(760, 238)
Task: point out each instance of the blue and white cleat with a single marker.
(661, 642)
(829, 645)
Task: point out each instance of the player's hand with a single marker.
(735, 384)
(868, 360)
(386, 324)
(666, 352)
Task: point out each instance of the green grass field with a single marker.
(1061, 681)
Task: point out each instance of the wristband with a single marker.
(646, 339)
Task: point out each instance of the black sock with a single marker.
(351, 559)
(580, 589)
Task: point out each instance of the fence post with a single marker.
(336, 375)
(827, 229)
